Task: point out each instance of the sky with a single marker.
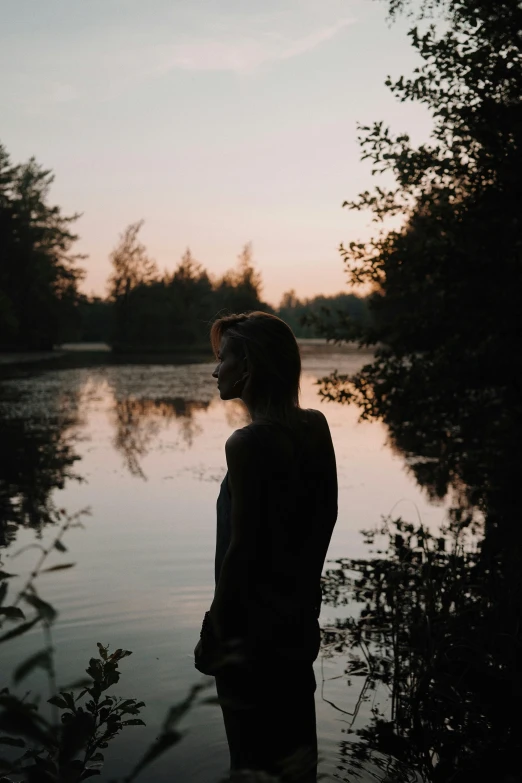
(217, 122)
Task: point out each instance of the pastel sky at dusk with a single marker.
(218, 122)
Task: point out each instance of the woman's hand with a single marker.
(212, 654)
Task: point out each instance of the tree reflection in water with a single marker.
(139, 421)
(439, 624)
(37, 454)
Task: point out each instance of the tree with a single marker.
(131, 264)
(447, 373)
(289, 300)
(175, 311)
(188, 269)
(94, 320)
(240, 289)
(311, 317)
(38, 274)
(133, 272)
(447, 283)
(191, 298)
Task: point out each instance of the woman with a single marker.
(275, 515)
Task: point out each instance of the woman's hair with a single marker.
(273, 358)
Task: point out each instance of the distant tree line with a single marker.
(149, 311)
(300, 313)
(145, 310)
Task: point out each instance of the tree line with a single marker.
(41, 304)
(147, 310)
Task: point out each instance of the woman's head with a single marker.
(258, 359)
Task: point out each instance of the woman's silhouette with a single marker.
(275, 515)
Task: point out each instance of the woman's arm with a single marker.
(230, 598)
(330, 469)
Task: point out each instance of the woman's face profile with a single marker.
(229, 371)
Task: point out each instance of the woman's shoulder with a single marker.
(304, 416)
(315, 420)
(314, 414)
(307, 422)
(237, 440)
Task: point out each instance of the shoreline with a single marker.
(71, 355)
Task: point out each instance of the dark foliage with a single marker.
(38, 274)
(161, 313)
(432, 631)
(37, 456)
(309, 318)
(447, 381)
(66, 747)
(93, 323)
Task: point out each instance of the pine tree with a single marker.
(39, 275)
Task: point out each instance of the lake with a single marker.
(149, 446)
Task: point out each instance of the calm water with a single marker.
(150, 441)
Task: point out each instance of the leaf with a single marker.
(12, 613)
(5, 575)
(22, 719)
(59, 546)
(16, 742)
(162, 744)
(46, 765)
(69, 700)
(133, 722)
(40, 659)
(45, 610)
(168, 736)
(58, 701)
(102, 650)
(58, 567)
(129, 705)
(119, 654)
(25, 548)
(3, 592)
(178, 711)
(89, 773)
(76, 734)
(20, 629)
(95, 669)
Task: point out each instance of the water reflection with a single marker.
(145, 404)
(439, 619)
(139, 422)
(160, 412)
(37, 454)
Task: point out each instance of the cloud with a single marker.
(108, 60)
(243, 53)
